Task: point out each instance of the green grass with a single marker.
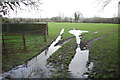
(16, 55)
(103, 52)
(61, 59)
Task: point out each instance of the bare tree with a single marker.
(7, 5)
(77, 16)
(104, 3)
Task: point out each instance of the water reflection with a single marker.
(37, 67)
(77, 66)
(77, 33)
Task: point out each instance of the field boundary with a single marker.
(22, 37)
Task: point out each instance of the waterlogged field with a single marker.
(103, 52)
(16, 55)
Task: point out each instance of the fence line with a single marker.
(23, 38)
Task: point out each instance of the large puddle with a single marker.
(78, 65)
(37, 67)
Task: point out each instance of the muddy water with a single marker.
(78, 65)
(53, 48)
(37, 67)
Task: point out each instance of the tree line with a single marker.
(102, 20)
(114, 20)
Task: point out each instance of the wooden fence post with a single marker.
(45, 37)
(47, 28)
(45, 33)
(24, 42)
(3, 42)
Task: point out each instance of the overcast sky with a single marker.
(66, 8)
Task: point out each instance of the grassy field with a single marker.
(103, 52)
(15, 54)
(60, 59)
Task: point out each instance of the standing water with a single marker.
(37, 67)
(53, 48)
(77, 66)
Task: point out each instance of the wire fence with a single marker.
(24, 41)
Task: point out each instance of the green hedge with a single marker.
(23, 27)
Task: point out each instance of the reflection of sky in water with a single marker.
(76, 33)
(37, 67)
(53, 48)
(77, 65)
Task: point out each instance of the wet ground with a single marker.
(38, 67)
(78, 65)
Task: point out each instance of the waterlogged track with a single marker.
(69, 64)
(36, 67)
(53, 46)
(78, 65)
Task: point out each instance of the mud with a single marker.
(77, 66)
(36, 67)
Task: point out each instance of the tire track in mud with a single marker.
(62, 56)
(84, 45)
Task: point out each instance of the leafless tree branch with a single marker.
(106, 3)
(6, 6)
